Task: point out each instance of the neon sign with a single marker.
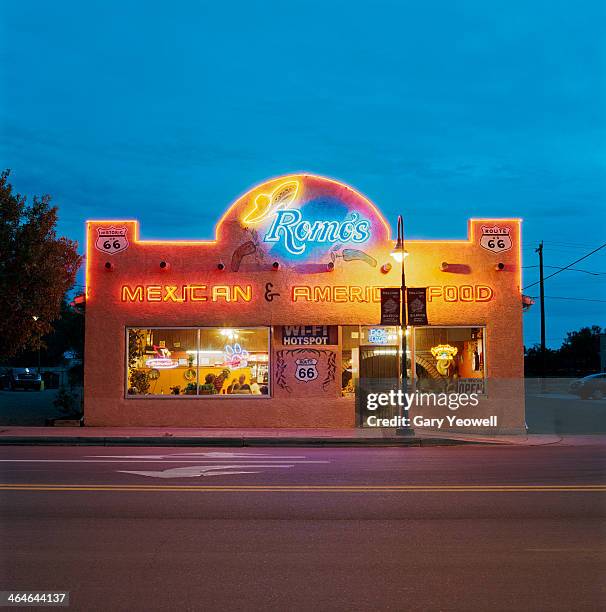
(356, 293)
(265, 204)
(299, 293)
(444, 355)
(289, 225)
(186, 293)
(162, 361)
(378, 335)
(463, 293)
(235, 356)
(335, 293)
(296, 233)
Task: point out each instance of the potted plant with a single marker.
(139, 380)
(191, 389)
(67, 403)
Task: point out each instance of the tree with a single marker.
(580, 351)
(67, 335)
(579, 355)
(36, 269)
(533, 361)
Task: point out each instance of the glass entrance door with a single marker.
(379, 370)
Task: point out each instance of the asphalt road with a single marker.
(442, 528)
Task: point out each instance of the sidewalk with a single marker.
(160, 436)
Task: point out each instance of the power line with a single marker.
(579, 245)
(566, 267)
(563, 251)
(556, 297)
(559, 253)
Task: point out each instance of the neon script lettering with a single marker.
(289, 226)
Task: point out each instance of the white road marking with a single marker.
(239, 463)
(211, 455)
(199, 470)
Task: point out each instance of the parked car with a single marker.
(24, 378)
(4, 377)
(593, 386)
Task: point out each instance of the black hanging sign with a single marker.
(416, 300)
(390, 306)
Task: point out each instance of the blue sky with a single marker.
(439, 110)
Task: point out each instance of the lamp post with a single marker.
(35, 318)
(400, 254)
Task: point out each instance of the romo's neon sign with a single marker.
(297, 233)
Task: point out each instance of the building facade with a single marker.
(276, 322)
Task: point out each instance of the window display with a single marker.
(198, 361)
(451, 358)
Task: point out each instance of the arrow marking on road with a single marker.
(200, 470)
(239, 463)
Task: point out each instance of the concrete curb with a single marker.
(216, 441)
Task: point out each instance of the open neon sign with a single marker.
(378, 335)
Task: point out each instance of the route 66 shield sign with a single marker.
(495, 238)
(306, 369)
(111, 240)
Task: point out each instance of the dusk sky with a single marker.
(440, 111)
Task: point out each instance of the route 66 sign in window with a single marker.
(111, 240)
(495, 238)
(306, 369)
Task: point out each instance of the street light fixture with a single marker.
(399, 253)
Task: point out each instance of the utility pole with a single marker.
(539, 250)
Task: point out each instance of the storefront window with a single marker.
(450, 359)
(198, 361)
